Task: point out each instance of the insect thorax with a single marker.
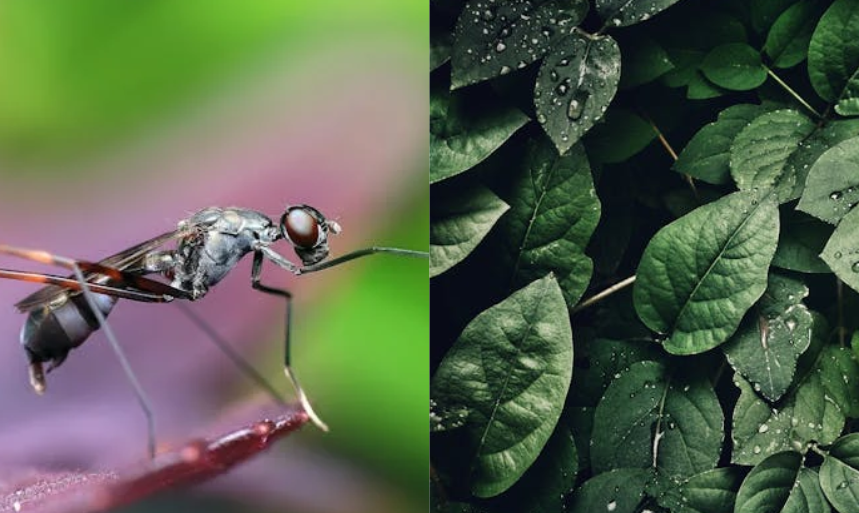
(219, 239)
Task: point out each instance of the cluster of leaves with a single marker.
(723, 378)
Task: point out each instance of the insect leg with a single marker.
(358, 254)
(120, 354)
(287, 369)
(230, 353)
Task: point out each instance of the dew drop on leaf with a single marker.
(855, 267)
(611, 506)
(835, 196)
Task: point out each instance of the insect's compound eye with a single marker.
(301, 228)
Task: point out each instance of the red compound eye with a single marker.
(301, 227)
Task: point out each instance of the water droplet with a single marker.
(611, 506)
(855, 267)
(757, 449)
(835, 195)
(542, 120)
(763, 428)
(837, 254)
(504, 70)
(500, 47)
(488, 15)
(842, 485)
(577, 105)
(562, 88)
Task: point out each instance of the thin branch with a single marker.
(793, 93)
(596, 298)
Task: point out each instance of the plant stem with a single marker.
(596, 298)
(670, 150)
(792, 93)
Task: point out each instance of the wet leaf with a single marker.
(788, 38)
(700, 274)
(652, 416)
(495, 38)
(833, 57)
(781, 483)
(809, 150)
(460, 220)
(575, 85)
(832, 186)
(771, 338)
(707, 155)
(800, 243)
(814, 410)
(465, 129)
(735, 66)
(511, 368)
(553, 212)
(712, 491)
(760, 152)
(620, 13)
(841, 253)
(839, 474)
(617, 491)
(606, 359)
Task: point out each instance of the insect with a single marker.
(208, 244)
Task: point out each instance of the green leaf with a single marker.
(700, 88)
(735, 66)
(545, 485)
(800, 243)
(700, 274)
(833, 57)
(761, 150)
(788, 39)
(707, 155)
(460, 220)
(511, 368)
(764, 12)
(606, 359)
(618, 491)
(841, 253)
(814, 410)
(839, 474)
(553, 212)
(575, 85)
(495, 38)
(712, 491)
(832, 186)
(781, 484)
(772, 337)
(814, 146)
(620, 13)
(621, 135)
(644, 60)
(651, 416)
(465, 128)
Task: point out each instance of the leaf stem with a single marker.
(793, 93)
(596, 298)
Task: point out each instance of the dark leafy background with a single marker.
(687, 180)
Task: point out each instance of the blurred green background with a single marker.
(82, 79)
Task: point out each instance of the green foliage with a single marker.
(747, 241)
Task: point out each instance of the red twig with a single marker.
(196, 461)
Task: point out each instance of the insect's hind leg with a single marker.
(123, 360)
(256, 273)
(231, 354)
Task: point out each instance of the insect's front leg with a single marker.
(276, 258)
